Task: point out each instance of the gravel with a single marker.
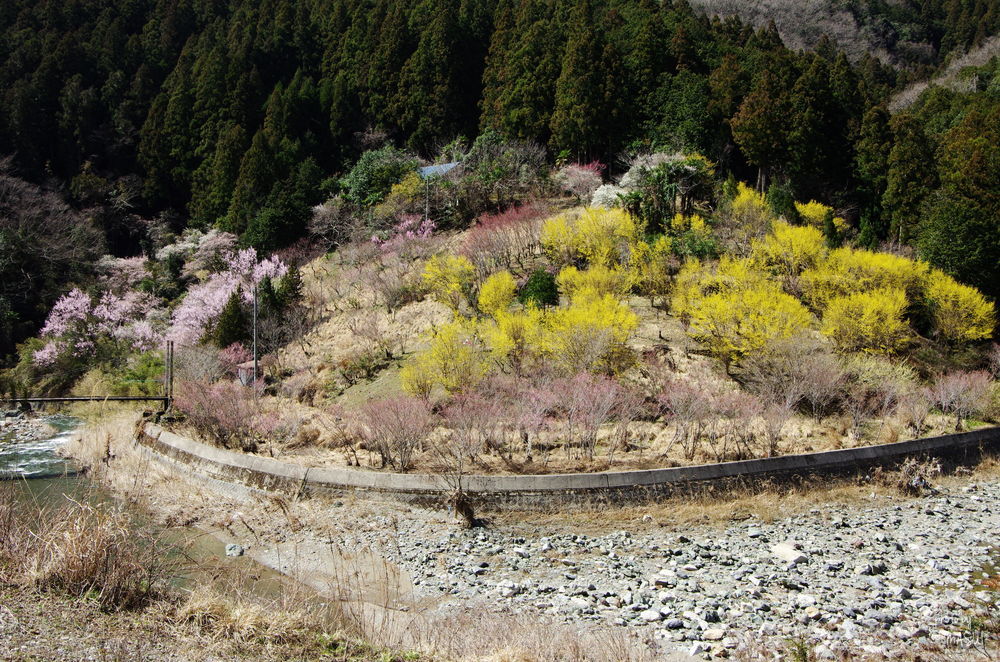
(898, 574)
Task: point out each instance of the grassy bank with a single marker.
(83, 579)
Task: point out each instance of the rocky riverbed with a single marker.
(898, 575)
(18, 428)
(871, 575)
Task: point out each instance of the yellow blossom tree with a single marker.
(960, 313)
(448, 278)
(870, 321)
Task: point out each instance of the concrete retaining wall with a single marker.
(539, 491)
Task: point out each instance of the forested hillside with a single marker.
(150, 116)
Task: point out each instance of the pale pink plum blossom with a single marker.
(410, 228)
(200, 307)
(47, 355)
(121, 273)
(71, 308)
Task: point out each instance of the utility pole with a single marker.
(254, 340)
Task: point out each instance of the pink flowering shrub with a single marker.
(961, 394)
(107, 328)
(395, 428)
(231, 357)
(579, 179)
(210, 253)
(121, 273)
(589, 402)
(408, 236)
(507, 240)
(224, 413)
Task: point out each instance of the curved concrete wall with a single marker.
(269, 475)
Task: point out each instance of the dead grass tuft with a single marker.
(81, 549)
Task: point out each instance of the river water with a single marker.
(42, 477)
(39, 459)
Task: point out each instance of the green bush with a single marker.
(372, 177)
(540, 289)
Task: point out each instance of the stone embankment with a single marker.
(526, 492)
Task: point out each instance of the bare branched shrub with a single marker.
(732, 424)
(375, 332)
(224, 413)
(688, 405)
(529, 404)
(993, 360)
(875, 387)
(913, 410)
(197, 364)
(589, 402)
(909, 478)
(477, 425)
(775, 418)
(796, 372)
(396, 428)
(961, 394)
(393, 283)
(740, 425)
(336, 222)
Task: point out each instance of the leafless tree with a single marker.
(961, 394)
(396, 428)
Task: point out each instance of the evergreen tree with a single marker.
(871, 164)
(910, 178)
(427, 106)
(762, 125)
(233, 324)
(577, 125)
(961, 232)
(215, 179)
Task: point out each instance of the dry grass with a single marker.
(766, 501)
(83, 549)
(466, 637)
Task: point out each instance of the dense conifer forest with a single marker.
(132, 117)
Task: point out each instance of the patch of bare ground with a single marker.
(764, 501)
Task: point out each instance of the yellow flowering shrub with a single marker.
(748, 203)
(790, 249)
(814, 214)
(514, 337)
(448, 278)
(455, 360)
(590, 334)
(871, 321)
(598, 280)
(736, 322)
(596, 235)
(848, 271)
(734, 308)
(497, 293)
(695, 223)
(402, 196)
(652, 267)
(696, 280)
(959, 313)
